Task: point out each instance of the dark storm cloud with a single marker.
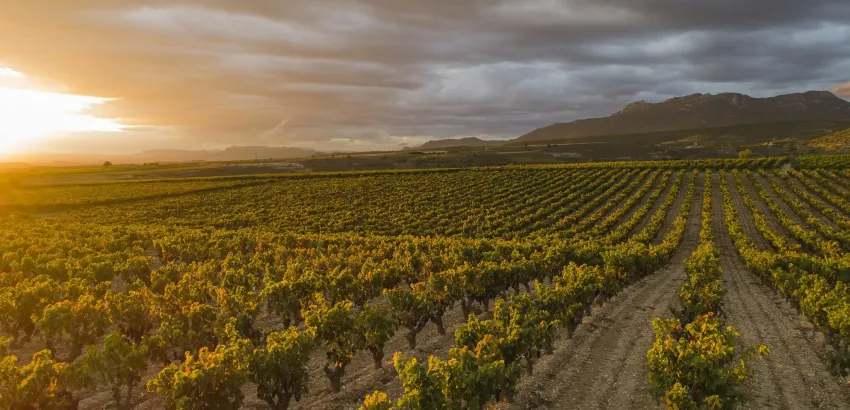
(379, 73)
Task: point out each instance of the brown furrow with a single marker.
(786, 185)
(793, 376)
(643, 200)
(629, 387)
(667, 225)
(745, 216)
(655, 206)
(583, 370)
(771, 219)
(780, 201)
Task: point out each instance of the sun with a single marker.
(29, 115)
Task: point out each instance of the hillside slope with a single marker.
(700, 111)
(459, 142)
(837, 141)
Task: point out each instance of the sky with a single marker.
(123, 76)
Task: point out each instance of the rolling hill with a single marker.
(837, 141)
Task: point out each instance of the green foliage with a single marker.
(412, 307)
(44, 383)
(377, 401)
(19, 304)
(190, 328)
(695, 366)
(84, 320)
(703, 291)
(469, 379)
(134, 312)
(322, 248)
(377, 326)
(118, 364)
(337, 328)
(422, 384)
(208, 380)
(279, 368)
(519, 330)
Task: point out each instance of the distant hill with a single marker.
(473, 142)
(700, 111)
(837, 141)
(168, 155)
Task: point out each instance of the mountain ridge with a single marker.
(697, 111)
(473, 142)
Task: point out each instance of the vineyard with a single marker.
(685, 284)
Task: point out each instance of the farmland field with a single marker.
(579, 286)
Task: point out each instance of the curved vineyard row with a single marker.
(230, 292)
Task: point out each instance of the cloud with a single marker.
(377, 73)
(842, 90)
(8, 72)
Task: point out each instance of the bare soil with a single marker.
(668, 182)
(667, 225)
(655, 206)
(625, 217)
(603, 365)
(745, 216)
(768, 214)
(771, 193)
(794, 376)
(786, 185)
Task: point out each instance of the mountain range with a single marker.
(689, 112)
(693, 112)
(700, 111)
(472, 142)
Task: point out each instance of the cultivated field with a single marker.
(628, 285)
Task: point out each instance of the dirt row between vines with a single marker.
(627, 216)
(361, 378)
(655, 206)
(745, 216)
(603, 365)
(667, 225)
(773, 195)
(840, 184)
(787, 186)
(794, 376)
(772, 221)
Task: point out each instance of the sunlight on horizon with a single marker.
(29, 115)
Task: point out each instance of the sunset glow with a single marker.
(28, 115)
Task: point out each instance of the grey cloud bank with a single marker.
(378, 74)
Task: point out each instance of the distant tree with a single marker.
(107, 164)
(746, 153)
